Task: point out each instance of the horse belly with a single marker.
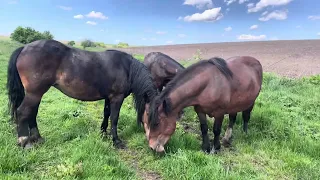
(78, 89)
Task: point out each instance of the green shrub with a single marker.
(71, 43)
(87, 43)
(28, 35)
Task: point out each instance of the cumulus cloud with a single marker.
(250, 5)
(251, 37)
(276, 15)
(314, 17)
(209, 15)
(243, 1)
(97, 15)
(65, 8)
(264, 13)
(91, 22)
(161, 32)
(200, 4)
(265, 3)
(228, 2)
(181, 35)
(253, 27)
(228, 28)
(79, 16)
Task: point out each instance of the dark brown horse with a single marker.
(215, 87)
(162, 67)
(88, 76)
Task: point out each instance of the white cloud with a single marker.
(169, 42)
(209, 15)
(79, 16)
(143, 39)
(97, 15)
(199, 3)
(117, 41)
(314, 17)
(318, 34)
(264, 13)
(161, 32)
(243, 1)
(181, 35)
(265, 3)
(254, 27)
(91, 23)
(65, 8)
(250, 5)
(298, 27)
(228, 2)
(228, 28)
(251, 37)
(274, 38)
(276, 15)
(228, 9)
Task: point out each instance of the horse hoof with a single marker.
(40, 140)
(214, 151)
(28, 146)
(119, 144)
(226, 143)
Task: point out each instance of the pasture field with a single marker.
(282, 141)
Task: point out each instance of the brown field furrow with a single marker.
(292, 58)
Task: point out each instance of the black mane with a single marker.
(180, 78)
(142, 86)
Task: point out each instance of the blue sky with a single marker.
(160, 22)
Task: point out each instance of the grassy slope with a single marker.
(282, 142)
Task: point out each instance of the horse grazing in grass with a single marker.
(215, 87)
(162, 67)
(88, 76)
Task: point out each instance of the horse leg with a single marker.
(27, 113)
(115, 110)
(204, 131)
(106, 114)
(216, 131)
(228, 134)
(33, 126)
(246, 117)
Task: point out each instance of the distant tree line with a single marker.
(27, 35)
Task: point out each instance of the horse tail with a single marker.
(14, 85)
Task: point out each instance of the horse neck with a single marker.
(182, 96)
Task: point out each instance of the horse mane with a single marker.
(176, 81)
(142, 86)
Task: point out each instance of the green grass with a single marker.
(282, 141)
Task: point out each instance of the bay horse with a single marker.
(110, 75)
(214, 87)
(162, 67)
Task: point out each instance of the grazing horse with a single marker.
(88, 76)
(162, 67)
(214, 87)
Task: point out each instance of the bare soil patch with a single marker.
(290, 58)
